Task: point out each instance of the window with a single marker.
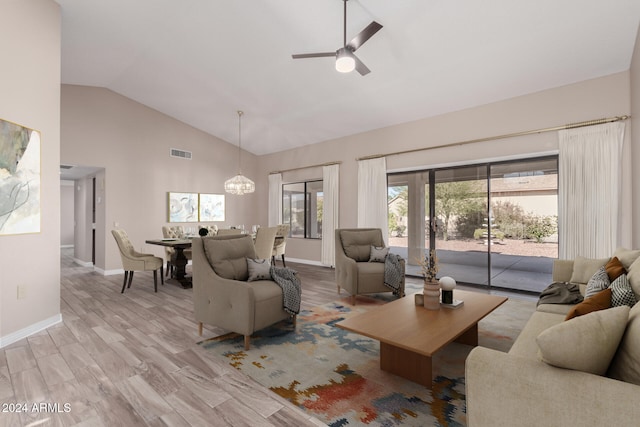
(302, 209)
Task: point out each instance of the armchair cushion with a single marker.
(378, 253)
(229, 258)
(357, 244)
(259, 269)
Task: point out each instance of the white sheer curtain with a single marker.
(589, 189)
(275, 199)
(372, 194)
(330, 212)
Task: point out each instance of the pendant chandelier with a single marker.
(239, 184)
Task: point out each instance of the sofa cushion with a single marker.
(583, 268)
(614, 268)
(626, 256)
(633, 274)
(597, 283)
(357, 243)
(525, 345)
(258, 269)
(228, 257)
(585, 343)
(378, 253)
(625, 366)
(621, 292)
(600, 301)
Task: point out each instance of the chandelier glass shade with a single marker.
(239, 184)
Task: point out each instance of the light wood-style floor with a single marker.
(132, 359)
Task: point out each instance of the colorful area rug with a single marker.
(335, 376)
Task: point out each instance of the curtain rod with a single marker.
(306, 167)
(508, 135)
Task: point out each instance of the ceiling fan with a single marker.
(346, 61)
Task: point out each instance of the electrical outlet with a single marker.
(22, 291)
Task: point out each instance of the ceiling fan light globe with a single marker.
(345, 62)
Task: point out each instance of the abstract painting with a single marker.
(19, 179)
(211, 207)
(183, 207)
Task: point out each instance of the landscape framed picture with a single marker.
(183, 207)
(19, 179)
(211, 207)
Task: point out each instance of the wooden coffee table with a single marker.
(409, 335)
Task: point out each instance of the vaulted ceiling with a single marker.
(200, 61)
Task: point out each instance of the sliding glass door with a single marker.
(493, 224)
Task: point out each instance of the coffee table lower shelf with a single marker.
(414, 366)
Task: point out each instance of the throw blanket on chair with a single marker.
(291, 289)
(561, 293)
(393, 273)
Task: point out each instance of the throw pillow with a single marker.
(614, 268)
(626, 256)
(633, 274)
(357, 243)
(625, 366)
(585, 343)
(583, 268)
(259, 269)
(621, 292)
(600, 301)
(598, 282)
(378, 253)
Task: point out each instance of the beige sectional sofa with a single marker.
(519, 389)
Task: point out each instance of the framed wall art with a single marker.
(183, 207)
(211, 207)
(19, 179)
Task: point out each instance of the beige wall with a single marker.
(635, 137)
(131, 142)
(603, 97)
(30, 96)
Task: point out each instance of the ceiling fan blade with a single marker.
(360, 67)
(364, 35)
(313, 55)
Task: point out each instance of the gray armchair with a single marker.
(223, 297)
(354, 272)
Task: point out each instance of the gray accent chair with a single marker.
(223, 297)
(354, 272)
(133, 260)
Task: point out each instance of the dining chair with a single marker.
(280, 243)
(133, 260)
(265, 237)
(173, 232)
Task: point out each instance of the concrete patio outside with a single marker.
(516, 265)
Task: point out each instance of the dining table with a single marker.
(178, 259)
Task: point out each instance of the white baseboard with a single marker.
(82, 263)
(30, 330)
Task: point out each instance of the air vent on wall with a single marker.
(181, 154)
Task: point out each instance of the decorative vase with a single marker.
(431, 295)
